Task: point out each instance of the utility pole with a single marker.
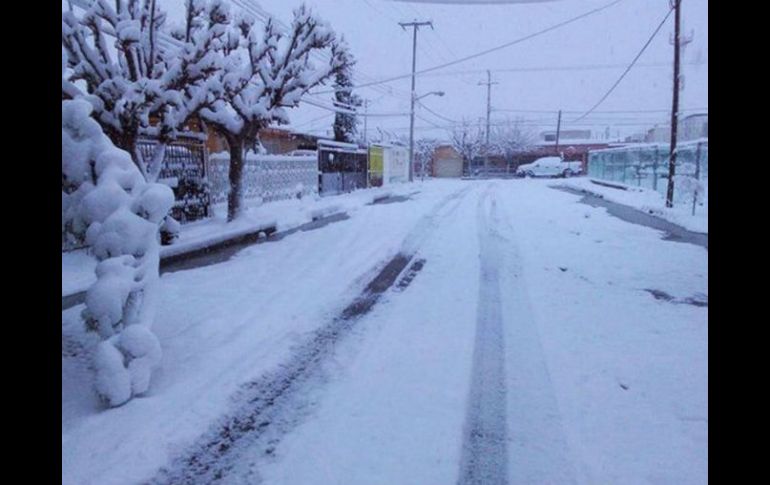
(558, 132)
(488, 84)
(676, 4)
(415, 25)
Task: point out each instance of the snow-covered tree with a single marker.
(138, 82)
(510, 139)
(468, 140)
(345, 124)
(265, 71)
(105, 193)
(423, 153)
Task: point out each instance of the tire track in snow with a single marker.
(484, 458)
(269, 407)
(538, 444)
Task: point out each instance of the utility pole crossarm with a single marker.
(404, 25)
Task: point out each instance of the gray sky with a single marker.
(612, 38)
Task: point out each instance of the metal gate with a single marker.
(184, 170)
(342, 167)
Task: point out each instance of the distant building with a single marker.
(565, 135)
(275, 141)
(635, 138)
(447, 162)
(691, 127)
(694, 126)
(658, 134)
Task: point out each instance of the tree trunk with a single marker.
(235, 197)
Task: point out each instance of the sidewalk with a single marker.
(645, 200)
(635, 215)
(214, 235)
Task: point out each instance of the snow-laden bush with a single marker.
(119, 215)
(689, 188)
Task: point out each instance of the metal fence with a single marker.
(265, 177)
(647, 166)
(184, 170)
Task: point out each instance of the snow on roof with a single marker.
(664, 145)
(339, 144)
(386, 145)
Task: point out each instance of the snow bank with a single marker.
(78, 266)
(650, 201)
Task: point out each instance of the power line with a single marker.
(437, 114)
(254, 9)
(493, 49)
(603, 112)
(587, 67)
(322, 105)
(649, 41)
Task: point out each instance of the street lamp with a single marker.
(411, 132)
(437, 93)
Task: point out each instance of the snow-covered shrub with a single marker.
(689, 188)
(119, 214)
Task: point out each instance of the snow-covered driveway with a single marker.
(523, 343)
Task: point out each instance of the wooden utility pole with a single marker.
(488, 84)
(558, 132)
(415, 25)
(674, 107)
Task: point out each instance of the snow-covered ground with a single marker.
(531, 314)
(648, 200)
(78, 266)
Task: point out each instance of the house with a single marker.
(274, 140)
(446, 162)
(694, 126)
(658, 134)
(549, 136)
(691, 127)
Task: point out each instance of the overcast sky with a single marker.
(570, 68)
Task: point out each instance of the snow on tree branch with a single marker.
(136, 86)
(467, 139)
(264, 71)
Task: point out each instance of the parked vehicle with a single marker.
(549, 167)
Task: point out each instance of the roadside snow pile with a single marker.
(109, 204)
(652, 202)
(78, 266)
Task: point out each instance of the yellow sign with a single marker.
(376, 155)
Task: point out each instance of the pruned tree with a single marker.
(468, 140)
(423, 153)
(265, 71)
(147, 85)
(510, 139)
(345, 124)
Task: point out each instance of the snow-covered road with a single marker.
(522, 343)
